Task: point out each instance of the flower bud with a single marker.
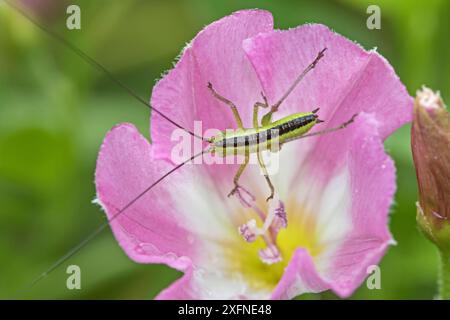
(430, 143)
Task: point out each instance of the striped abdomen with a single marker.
(263, 138)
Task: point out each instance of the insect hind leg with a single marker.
(311, 66)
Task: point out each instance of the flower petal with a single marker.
(351, 214)
(179, 223)
(215, 55)
(181, 289)
(372, 176)
(347, 80)
(202, 284)
(299, 277)
(151, 230)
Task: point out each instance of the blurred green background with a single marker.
(55, 110)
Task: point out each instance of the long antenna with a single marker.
(103, 226)
(97, 66)
(102, 69)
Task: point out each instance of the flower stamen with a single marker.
(273, 222)
(249, 230)
(270, 254)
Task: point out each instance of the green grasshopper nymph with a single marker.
(245, 141)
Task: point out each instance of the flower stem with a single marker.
(444, 275)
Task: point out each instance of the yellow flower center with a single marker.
(243, 257)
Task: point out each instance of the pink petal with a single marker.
(215, 55)
(373, 188)
(150, 231)
(182, 289)
(202, 284)
(174, 223)
(299, 277)
(372, 184)
(346, 81)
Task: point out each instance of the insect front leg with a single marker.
(238, 174)
(266, 175)
(235, 111)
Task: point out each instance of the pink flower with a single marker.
(335, 190)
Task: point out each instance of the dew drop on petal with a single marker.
(139, 249)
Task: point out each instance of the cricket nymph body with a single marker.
(269, 137)
(267, 134)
